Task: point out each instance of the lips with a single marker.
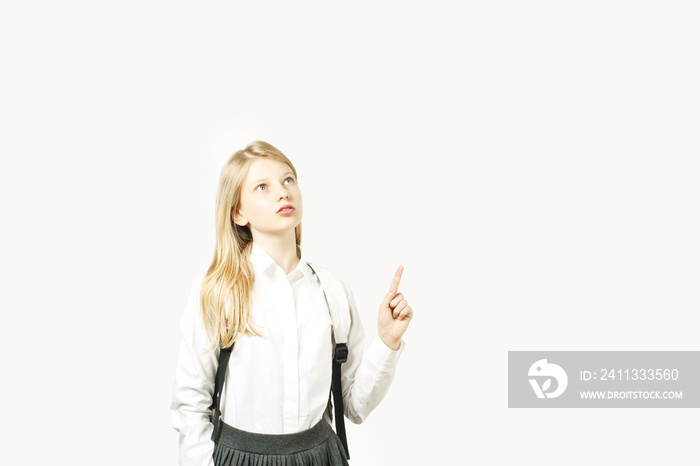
(285, 207)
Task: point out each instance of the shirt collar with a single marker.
(263, 263)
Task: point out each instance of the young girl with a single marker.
(260, 293)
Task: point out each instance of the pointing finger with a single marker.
(393, 288)
(397, 278)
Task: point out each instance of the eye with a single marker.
(263, 184)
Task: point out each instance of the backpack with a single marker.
(339, 309)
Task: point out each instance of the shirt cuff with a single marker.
(381, 356)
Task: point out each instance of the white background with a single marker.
(532, 164)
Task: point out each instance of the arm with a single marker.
(194, 386)
(365, 377)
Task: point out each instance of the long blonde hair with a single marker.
(228, 284)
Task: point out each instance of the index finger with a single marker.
(395, 281)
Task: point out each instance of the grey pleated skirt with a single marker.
(317, 446)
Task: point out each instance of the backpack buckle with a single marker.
(341, 353)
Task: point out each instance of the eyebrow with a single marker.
(265, 179)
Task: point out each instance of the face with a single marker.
(269, 185)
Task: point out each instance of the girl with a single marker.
(260, 293)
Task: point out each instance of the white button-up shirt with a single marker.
(279, 382)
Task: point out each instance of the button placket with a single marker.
(291, 360)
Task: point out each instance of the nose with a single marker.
(282, 192)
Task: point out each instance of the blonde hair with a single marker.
(228, 284)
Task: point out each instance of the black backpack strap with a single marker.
(224, 356)
(340, 355)
(339, 308)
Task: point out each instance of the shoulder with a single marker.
(196, 284)
(325, 274)
(317, 268)
(195, 291)
(322, 271)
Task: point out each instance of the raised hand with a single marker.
(394, 314)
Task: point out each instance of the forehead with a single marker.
(265, 168)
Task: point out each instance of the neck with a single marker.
(282, 249)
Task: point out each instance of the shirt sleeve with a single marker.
(365, 378)
(194, 386)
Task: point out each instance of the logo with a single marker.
(547, 371)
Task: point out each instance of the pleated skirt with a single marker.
(317, 446)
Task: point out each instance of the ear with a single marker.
(238, 219)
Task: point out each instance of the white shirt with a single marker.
(280, 382)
